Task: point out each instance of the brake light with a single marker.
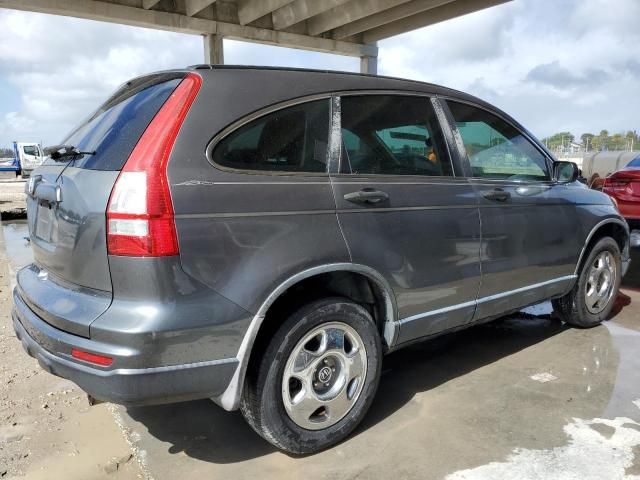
(616, 183)
(91, 357)
(140, 219)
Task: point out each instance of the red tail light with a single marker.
(616, 183)
(140, 220)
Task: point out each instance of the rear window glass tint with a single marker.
(115, 128)
(293, 139)
(634, 163)
(392, 135)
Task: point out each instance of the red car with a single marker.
(624, 187)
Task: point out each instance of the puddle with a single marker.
(18, 248)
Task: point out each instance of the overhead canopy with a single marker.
(346, 27)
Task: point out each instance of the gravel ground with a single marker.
(47, 429)
(12, 198)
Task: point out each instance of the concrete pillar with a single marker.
(369, 64)
(213, 50)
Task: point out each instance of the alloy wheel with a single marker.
(324, 376)
(600, 282)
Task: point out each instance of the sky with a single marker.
(555, 65)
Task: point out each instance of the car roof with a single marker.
(334, 76)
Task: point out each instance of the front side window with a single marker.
(293, 139)
(495, 148)
(392, 135)
(30, 150)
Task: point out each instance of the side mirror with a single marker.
(565, 172)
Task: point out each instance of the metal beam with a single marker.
(386, 16)
(147, 4)
(347, 13)
(250, 10)
(213, 50)
(430, 17)
(300, 10)
(195, 6)
(174, 22)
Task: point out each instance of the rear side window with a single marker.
(495, 148)
(293, 139)
(634, 163)
(113, 130)
(392, 135)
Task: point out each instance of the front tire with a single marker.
(317, 378)
(592, 298)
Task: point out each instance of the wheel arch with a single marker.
(384, 302)
(611, 227)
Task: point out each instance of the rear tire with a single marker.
(326, 355)
(592, 298)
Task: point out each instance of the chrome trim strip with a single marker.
(431, 313)
(254, 116)
(524, 289)
(441, 119)
(489, 298)
(290, 103)
(230, 398)
(170, 368)
(334, 150)
(593, 231)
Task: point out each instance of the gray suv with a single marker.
(262, 237)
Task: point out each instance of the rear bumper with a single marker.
(128, 386)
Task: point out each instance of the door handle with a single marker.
(367, 195)
(497, 195)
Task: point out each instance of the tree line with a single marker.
(594, 142)
(6, 152)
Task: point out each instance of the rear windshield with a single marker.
(113, 130)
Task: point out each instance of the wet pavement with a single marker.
(521, 397)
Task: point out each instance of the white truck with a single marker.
(29, 156)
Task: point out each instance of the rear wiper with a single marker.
(60, 153)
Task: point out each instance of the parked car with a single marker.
(624, 187)
(265, 247)
(597, 166)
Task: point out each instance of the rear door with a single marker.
(67, 201)
(404, 211)
(530, 226)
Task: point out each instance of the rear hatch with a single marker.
(69, 285)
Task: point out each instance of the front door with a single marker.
(404, 212)
(530, 228)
